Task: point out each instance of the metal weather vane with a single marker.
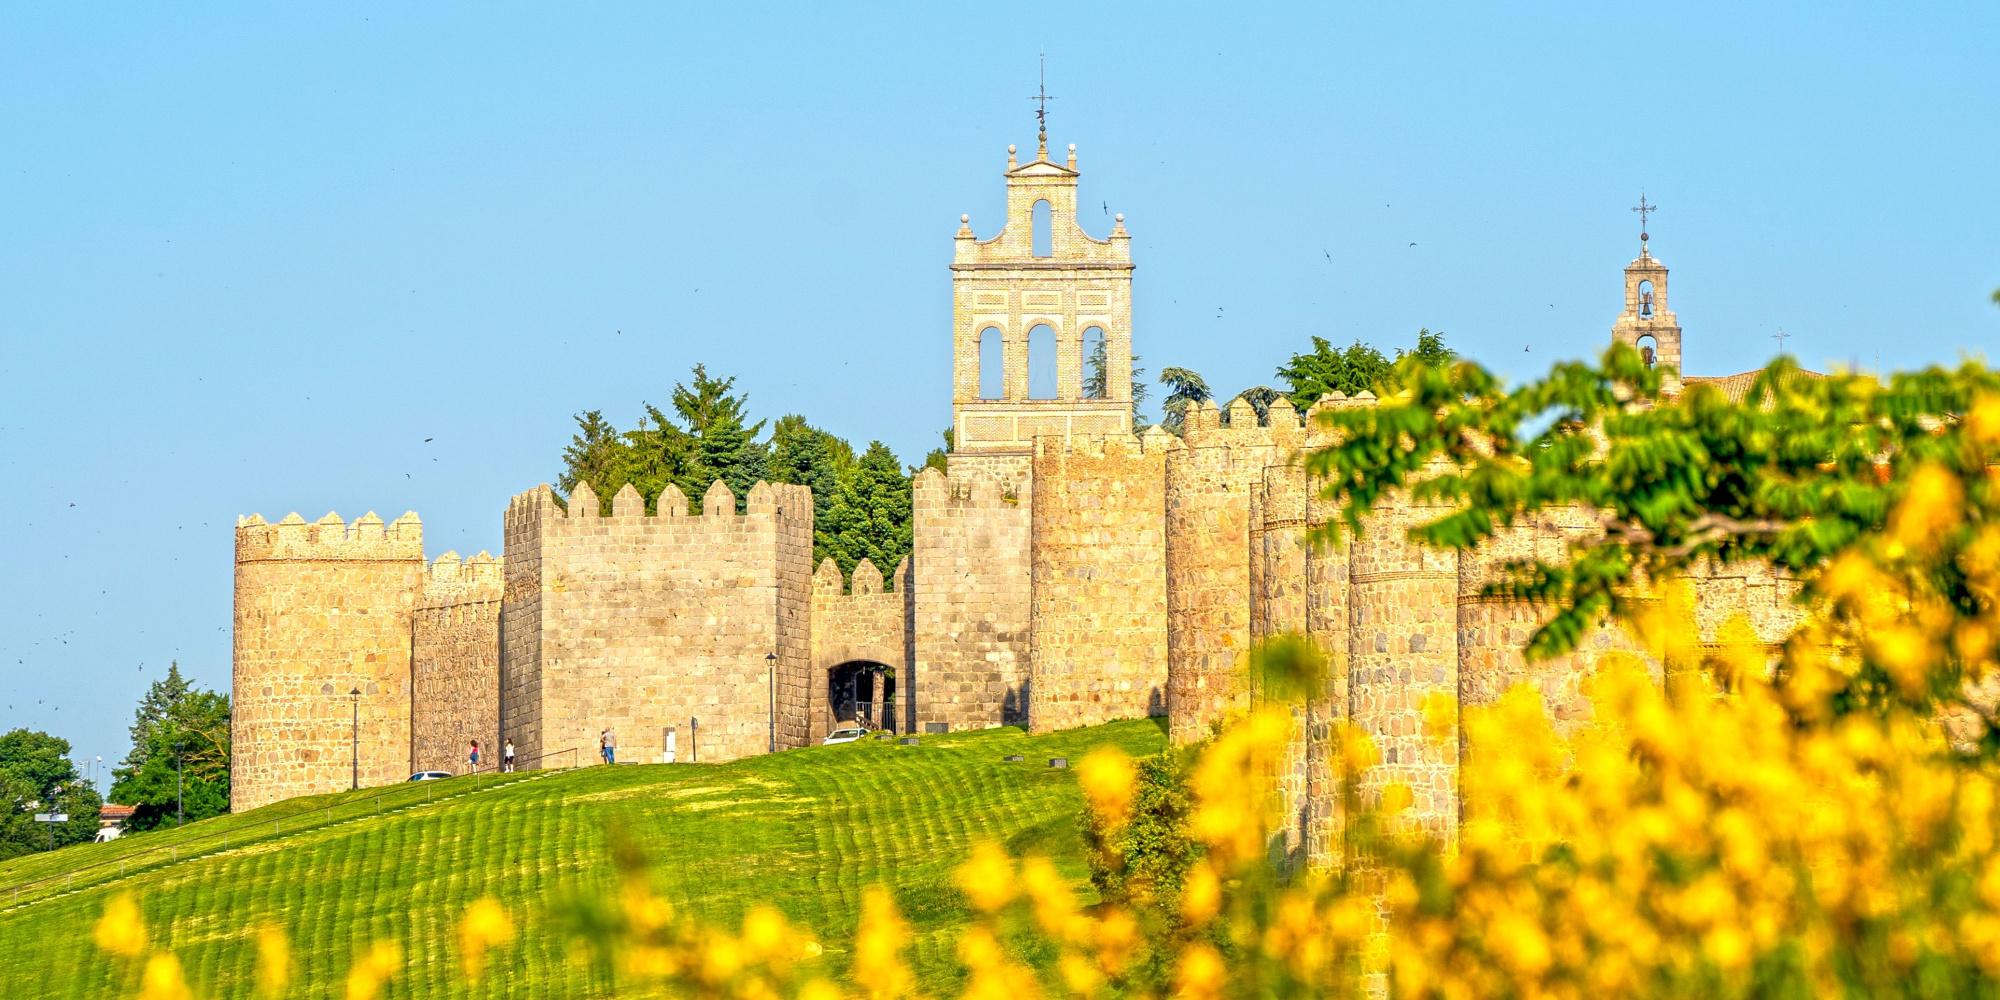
(1043, 97)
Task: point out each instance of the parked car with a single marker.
(109, 834)
(429, 775)
(848, 735)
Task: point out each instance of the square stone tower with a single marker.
(1647, 323)
(1039, 285)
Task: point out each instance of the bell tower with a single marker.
(1647, 323)
(1040, 296)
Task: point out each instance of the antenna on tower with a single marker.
(1043, 97)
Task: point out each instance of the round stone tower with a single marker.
(322, 655)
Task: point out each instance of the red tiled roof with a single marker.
(1735, 387)
(109, 811)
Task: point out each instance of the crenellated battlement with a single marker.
(449, 580)
(765, 499)
(329, 538)
(965, 490)
(867, 580)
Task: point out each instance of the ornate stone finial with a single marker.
(1011, 162)
(964, 218)
(1072, 156)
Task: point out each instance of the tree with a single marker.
(1097, 379)
(1260, 398)
(870, 517)
(597, 454)
(179, 762)
(37, 776)
(937, 458)
(1353, 368)
(810, 457)
(1878, 496)
(1185, 388)
(724, 446)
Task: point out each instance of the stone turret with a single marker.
(321, 673)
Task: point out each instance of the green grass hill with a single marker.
(805, 830)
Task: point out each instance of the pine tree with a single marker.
(803, 454)
(597, 454)
(870, 516)
(725, 447)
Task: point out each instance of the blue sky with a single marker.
(253, 258)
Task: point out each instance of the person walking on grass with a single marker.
(474, 756)
(507, 757)
(607, 744)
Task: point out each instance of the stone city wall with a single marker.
(652, 622)
(1098, 635)
(972, 594)
(866, 623)
(455, 665)
(322, 610)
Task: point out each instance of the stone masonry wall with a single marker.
(455, 665)
(521, 625)
(1210, 483)
(322, 609)
(972, 593)
(1098, 635)
(647, 623)
(866, 624)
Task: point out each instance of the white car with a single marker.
(848, 735)
(430, 775)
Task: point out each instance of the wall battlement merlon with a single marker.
(934, 487)
(867, 580)
(330, 539)
(765, 499)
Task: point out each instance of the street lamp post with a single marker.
(355, 696)
(771, 671)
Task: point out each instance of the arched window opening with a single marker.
(1041, 230)
(1645, 300)
(1649, 350)
(992, 365)
(1096, 365)
(1041, 362)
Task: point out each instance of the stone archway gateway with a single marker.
(863, 693)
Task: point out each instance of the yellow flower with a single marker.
(484, 926)
(1440, 715)
(1201, 973)
(765, 933)
(1396, 797)
(163, 980)
(1982, 422)
(1929, 508)
(1201, 894)
(1081, 977)
(1117, 940)
(381, 961)
(987, 877)
(122, 931)
(274, 960)
(878, 946)
(1907, 654)
(1108, 778)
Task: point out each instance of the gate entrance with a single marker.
(862, 693)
